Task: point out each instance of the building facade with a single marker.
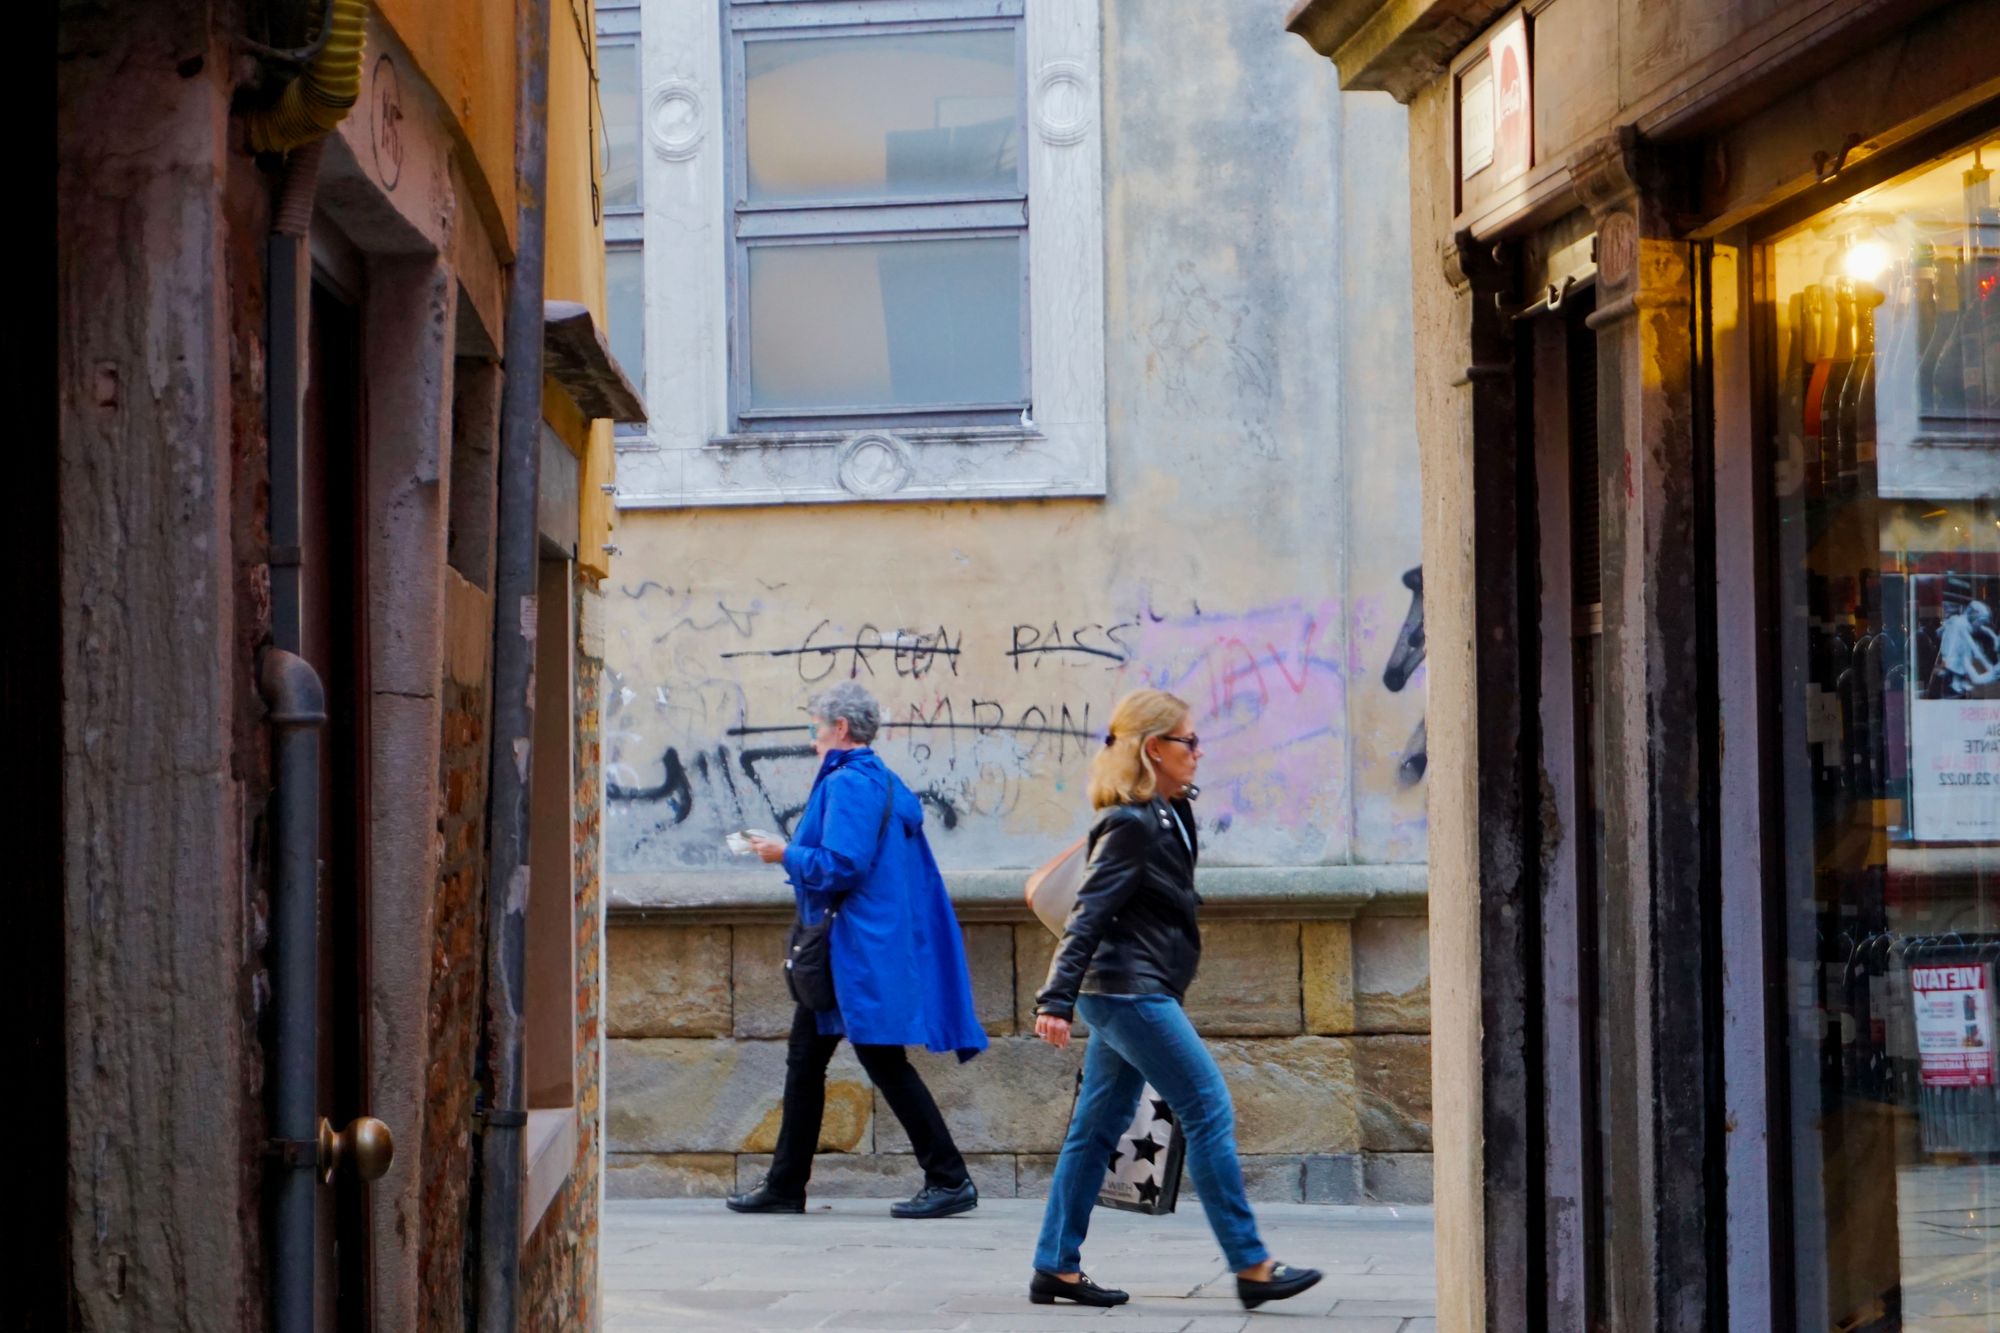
(1708, 368)
(997, 361)
(335, 421)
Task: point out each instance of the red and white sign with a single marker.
(1513, 100)
(1953, 1005)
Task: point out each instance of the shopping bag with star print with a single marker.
(1144, 1173)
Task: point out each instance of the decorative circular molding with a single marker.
(874, 465)
(674, 121)
(1063, 102)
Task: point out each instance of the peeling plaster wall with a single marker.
(1252, 553)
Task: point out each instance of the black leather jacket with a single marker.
(1133, 929)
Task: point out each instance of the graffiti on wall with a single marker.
(992, 724)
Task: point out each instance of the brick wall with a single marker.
(559, 1263)
(1321, 1028)
(458, 959)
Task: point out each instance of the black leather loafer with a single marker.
(934, 1201)
(764, 1200)
(1283, 1282)
(1047, 1289)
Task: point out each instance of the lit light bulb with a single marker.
(1864, 261)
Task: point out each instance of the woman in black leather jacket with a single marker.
(1129, 950)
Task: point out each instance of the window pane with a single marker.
(625, 284)
(885, 324)
(618, 89)
(1885, 399)
(889, 116)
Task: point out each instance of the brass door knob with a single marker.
(365, 1147)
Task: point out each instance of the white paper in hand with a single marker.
(739, 842)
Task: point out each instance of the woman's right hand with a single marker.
(1053, 1030)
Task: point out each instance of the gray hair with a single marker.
(851, 703)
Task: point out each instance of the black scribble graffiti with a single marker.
(749, 759)
(943, 804)
(1404, 660)
(1416, 756)
(1035, 642)
(1408, 654)
(912, 655)
(743, 622)
(650, 585)
(673, 788)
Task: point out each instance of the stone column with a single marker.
(1653, 497)
(164, 1132)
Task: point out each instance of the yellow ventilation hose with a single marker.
(321, 96)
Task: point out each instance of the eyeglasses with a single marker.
(1192, 741)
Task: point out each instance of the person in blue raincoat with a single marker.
(898, 960)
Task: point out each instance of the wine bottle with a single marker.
(1816, 354)
(1836, 414)
(1857, 409)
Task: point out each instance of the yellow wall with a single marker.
(574, 267)
(466, 50)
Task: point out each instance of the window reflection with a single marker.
(1886, 323)
(618, 91)
(883, 116)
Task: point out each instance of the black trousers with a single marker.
(805, 1106)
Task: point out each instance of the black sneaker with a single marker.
(764, 1199)
(1283, 1282)
(937, 1201)
(1047, 1289)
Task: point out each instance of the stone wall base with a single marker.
(1363, 1177)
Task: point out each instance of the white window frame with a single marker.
(690, 456)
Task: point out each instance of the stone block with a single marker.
(1013, 1097)
(1327, 973)
(1292, 1094)
(1032, 1174)
(763, 1005)
(1248, 984)
(668, 981)
(1393, 1077)
(1266, 1179)
(1392, 974)
(1398, 1177)
(879, 1176)
(1034, 946)
(1335, 1178)
(989, 956)
(669, 1175)
(696, 1095)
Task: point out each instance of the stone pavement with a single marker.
(688, 1264)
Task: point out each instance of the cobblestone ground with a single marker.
(688, 1264)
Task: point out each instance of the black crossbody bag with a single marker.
(809, 955)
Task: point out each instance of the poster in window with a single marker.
(1513, 101)
(1953, 1007)
(1955, 709)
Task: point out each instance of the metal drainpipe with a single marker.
(298, 709)
(516, 553)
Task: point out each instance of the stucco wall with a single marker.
(1251, 554)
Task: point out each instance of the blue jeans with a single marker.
(1136, 1040)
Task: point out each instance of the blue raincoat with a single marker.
(899, 974)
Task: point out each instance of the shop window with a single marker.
(1884, 394)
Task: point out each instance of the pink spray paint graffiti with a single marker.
(1269, 699)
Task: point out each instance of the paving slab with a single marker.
(689, 1264)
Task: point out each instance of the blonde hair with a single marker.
(1122, 773)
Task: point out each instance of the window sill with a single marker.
(548, 1155)
(832, 466)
